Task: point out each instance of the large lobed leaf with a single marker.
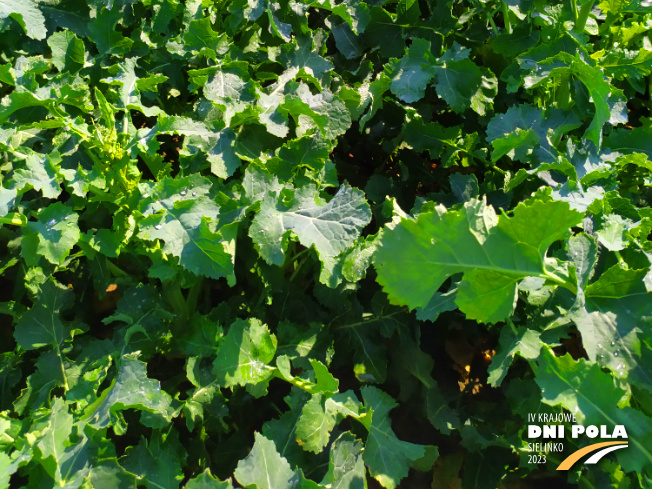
(493, 252)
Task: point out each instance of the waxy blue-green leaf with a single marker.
(413, 73)
(332, 227)
(345, 39)
(612, 233)
(230, 89)
(264, 468)
(611, 315)
(323, 110)
(27, 14)
(301, 57)
(346, 469)
(179, 212)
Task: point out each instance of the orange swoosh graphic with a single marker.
(575, 456)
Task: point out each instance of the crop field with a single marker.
(324, 244)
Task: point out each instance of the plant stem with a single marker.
(560, 281)
(574, 9)
(174, 296)
(583, 16)
(621, 261)
(494, 27)
(506, 21)
(296, 270)
(63, 368)
(193, 296)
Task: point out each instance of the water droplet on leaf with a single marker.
(158, 226)
(184, 191)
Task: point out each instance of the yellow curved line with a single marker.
(575, 456)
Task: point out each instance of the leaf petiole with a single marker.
(14, 219)
(506, 21)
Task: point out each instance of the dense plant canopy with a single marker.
(309, 244)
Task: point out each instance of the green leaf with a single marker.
(445, 143)
(413, 73)
(5, 474)
(158, 461)
(110, 474)
(179, 212)
(345, 39)
(107, 38)
(26, 14)
(388, 458)
(325, 111)
(463, 85)
(612, 327)
(525, 342)
(331, 227)
(53, 235)
(618, 282)
(67, 51)
(493, 252)
(230, 89)
(439, 413)
(377, 90)
(41, 325)
(624, 64)
(515, 132)
(320, 415)
(206, 480)
(264, 468)
(151, 83)
(131, 389)
(637, 140)
(613, 232)
(53, 444)
(592, 396)
(244, 355)
(346, 469)
(39, 173)
(127, 81)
